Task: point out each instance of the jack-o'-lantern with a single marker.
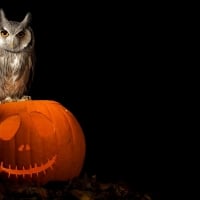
(40, 141)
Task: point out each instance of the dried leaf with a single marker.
(82, 195)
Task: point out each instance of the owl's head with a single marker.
(15, 36)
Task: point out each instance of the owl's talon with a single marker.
(7, 100)
(25, 98)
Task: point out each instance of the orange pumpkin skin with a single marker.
(40, 141)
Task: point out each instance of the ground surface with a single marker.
(82, 188)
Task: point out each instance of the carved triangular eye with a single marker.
(9, 127)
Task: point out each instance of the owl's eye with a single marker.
(21, 34)
(4, 33)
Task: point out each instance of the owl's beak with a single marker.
(12, 44)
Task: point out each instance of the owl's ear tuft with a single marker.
(2, 15)
(27, 19)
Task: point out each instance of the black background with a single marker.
(105, 63)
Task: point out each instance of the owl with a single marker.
(17, 58)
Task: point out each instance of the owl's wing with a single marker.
(32, 61)
(31, 73)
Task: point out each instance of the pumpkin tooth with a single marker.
(15, 174)
(35, 166)
(30, 167)
(9, 167)
(23, 175)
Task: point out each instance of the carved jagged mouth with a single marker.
(30, 171)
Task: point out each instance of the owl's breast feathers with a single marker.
(15, 71)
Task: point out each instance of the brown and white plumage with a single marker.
(16, 57)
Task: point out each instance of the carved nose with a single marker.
(24, 147)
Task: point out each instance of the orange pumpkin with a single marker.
(40, 141)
